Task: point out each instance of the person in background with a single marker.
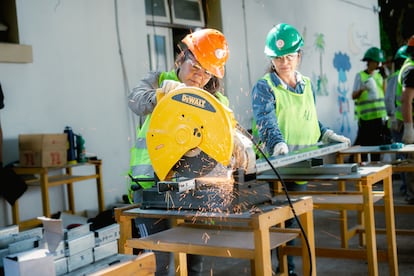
(406, 84)
(368, 94)
(392, 103)
(201, 64)
(283, 103)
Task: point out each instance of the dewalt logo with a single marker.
(194, 100)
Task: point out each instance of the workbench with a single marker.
(401, 166)
(249, 235)
(46, 177)
(358, 151)
(361, 200)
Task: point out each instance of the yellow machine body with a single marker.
(189, 118)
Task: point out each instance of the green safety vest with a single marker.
(299, 125)
(398, 112)
(366, 109)
(140, 163)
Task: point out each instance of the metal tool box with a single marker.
(106, 234)
(61, 266)
(79, 244)
(105, 250)
(80, 259)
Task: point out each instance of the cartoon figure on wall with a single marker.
(322, 80)
(342, 64)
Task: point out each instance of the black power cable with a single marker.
(305, 237)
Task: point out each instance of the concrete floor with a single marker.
(327, 234)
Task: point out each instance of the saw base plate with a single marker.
(236, 198)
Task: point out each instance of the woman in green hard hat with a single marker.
(283, 102)
(368, 95)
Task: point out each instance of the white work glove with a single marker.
(371, 87)
(408, 134)
(170, 85)
(280, 148)
(393, 123)
(243, 156)
(329, 136)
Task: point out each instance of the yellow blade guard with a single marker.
(189, 118)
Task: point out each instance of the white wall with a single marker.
(350, 27)
(76, 77)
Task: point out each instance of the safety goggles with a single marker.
(197, 67)
(289, 57)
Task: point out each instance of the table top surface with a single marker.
(376, 149)
(17, 166)
(361, 172)
(277, 203)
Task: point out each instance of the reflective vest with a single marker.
(299, 122)
(398, 112)
(369, 109)
(140, 163)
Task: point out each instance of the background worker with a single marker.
(283, 102)
(200, 64)
(392, 102)
(406, 83)
(368, 94)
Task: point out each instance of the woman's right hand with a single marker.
(170, 85)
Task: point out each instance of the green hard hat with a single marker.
(282, 39)
(401, 53)
(375, 54)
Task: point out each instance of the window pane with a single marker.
(155, 8)
(188, 10)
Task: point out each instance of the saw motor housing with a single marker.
(187, 119)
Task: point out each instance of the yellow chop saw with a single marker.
(202, 160)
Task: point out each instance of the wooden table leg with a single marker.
(125, 231)
(99, 187)
(262, 259)
(44, 183)
(390, 225)
(308, 262)
(181, 264)
(370, 234)
(71, 197)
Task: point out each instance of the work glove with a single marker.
(329, 136)
(170, 85)
(371, 87)
(408, 134)
(280, 148)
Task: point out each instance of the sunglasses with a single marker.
(289, 57)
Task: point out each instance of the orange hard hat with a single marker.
(410, 42)
(210, 48)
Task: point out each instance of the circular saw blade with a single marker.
(197, 166)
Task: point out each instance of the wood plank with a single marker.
(211, 242)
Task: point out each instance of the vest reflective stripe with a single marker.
(366, 109)
(398, 112)
(298, 129)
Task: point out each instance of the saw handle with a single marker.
(136, 187)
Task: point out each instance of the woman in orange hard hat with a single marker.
(200, 64)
